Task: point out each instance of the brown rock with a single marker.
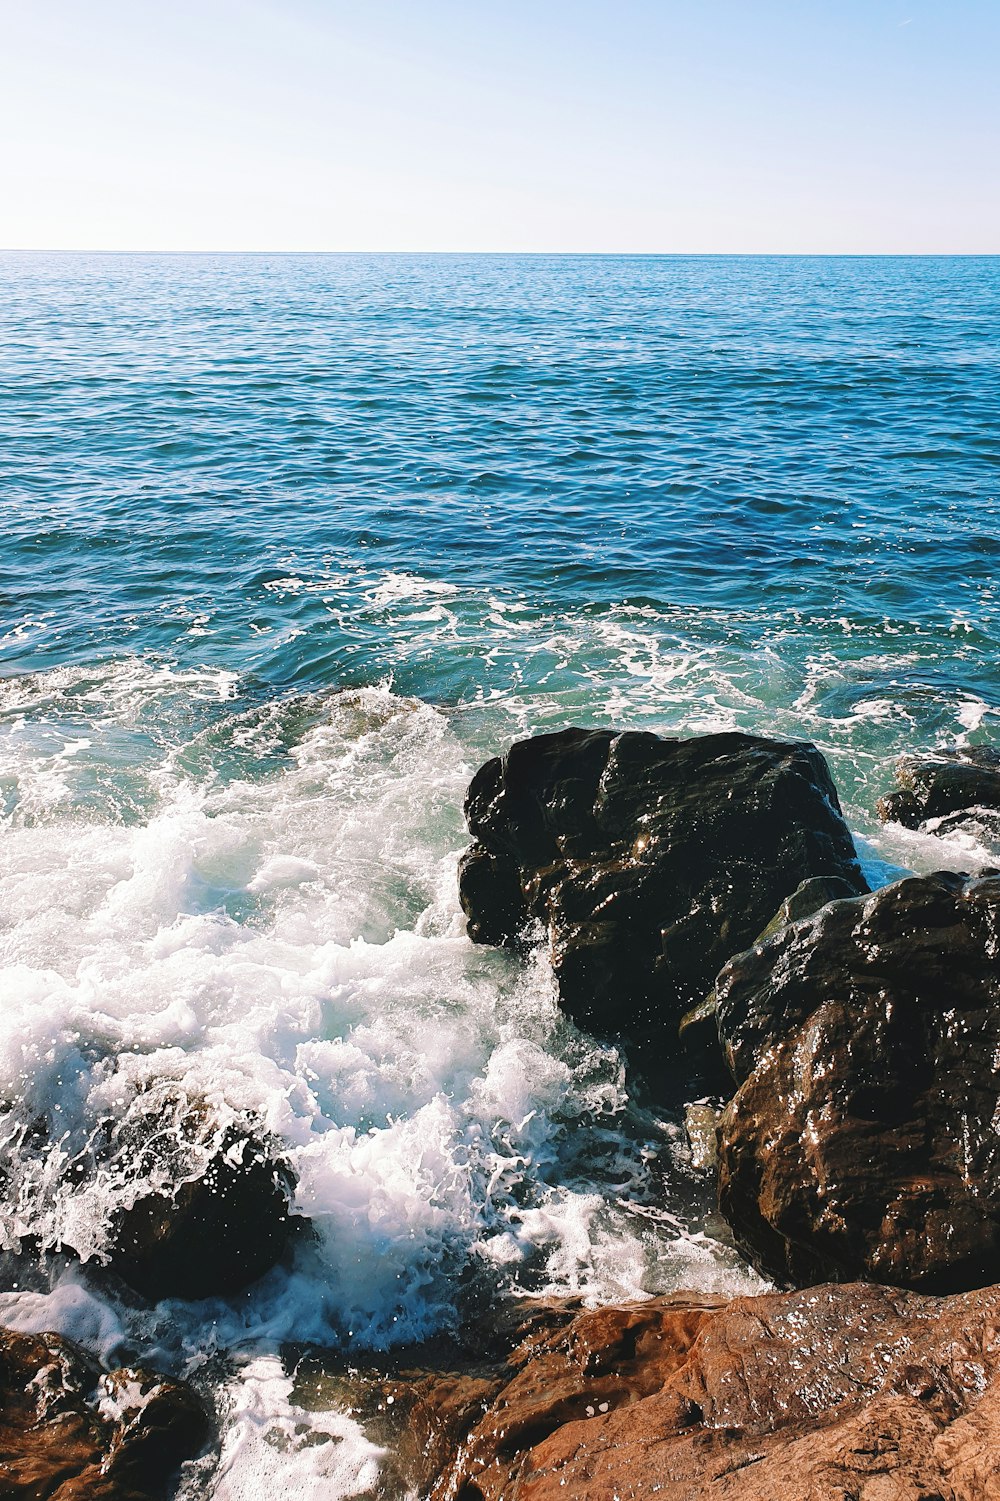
(834, 1393)
(862, 1141)
(69, 1433)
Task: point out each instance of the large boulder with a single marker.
(70, 1432)
(647, 861)
(837, 1392)
(863, 1139)
(946, 785)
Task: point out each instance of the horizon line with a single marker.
(549, 254)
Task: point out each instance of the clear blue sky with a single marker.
(647, 125)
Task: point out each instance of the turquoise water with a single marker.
(769, 476)
(290, 545)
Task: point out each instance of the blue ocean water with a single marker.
(290, 544)
(764, 481)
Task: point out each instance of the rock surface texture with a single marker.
(863, 1140)
(836, 1392)
(647, 861)
(69, 1433)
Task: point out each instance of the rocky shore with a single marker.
(702, 900)
(833, 1392)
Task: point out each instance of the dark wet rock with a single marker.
(69, 1432)
(211, 1234)
(195, 1197)
(492, 897)
(648, 861)
(863, 1140)
(699, 1027)
(840, 1391)
(948, 782)
(807, 899)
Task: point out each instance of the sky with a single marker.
(670, 126)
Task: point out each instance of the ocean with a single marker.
(291, 544)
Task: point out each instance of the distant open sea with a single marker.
(290, 544)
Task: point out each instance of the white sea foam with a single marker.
(270, 1445)
(284, 944)
(252, 904)
(394, 587)
(971, 714)
(72, 1309)
(902, 850)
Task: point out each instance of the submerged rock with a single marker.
(180, 1197)
(648, 861)
(210, 1234)
(841, 1391)
(701, 1125)
(69, 1432)
(863, 1139)
(419, 1404)
(947, 783)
